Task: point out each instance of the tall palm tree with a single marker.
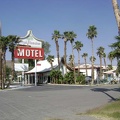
(116, 48)
(78, 45)
(55, 36)
(116, 13)
(50, 59)
(111, 57)
(91, 34)
(104, 57)
(71, 60)
(65, 37)
(92, 59)
(84, 55)
(3, 45)
(100, 52)
(13, 40)
(71, 37)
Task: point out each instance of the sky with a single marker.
(45, 16)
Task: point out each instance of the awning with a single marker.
(43, 66)
(109, 72)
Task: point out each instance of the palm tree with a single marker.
(111, 57)
(50, 59)
(71, 37)
(100, 52)
(3, 45)
(78, 46)
(92, 59)
(116, 48)
(116, 13)
(56, 35)
(104, 57)
(65, 37)
(109, 67)
(91, 34)
(13, 40)
(84, 56)
(71, 60)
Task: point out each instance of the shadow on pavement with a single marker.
(105, 90)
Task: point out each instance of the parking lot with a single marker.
(54, 102)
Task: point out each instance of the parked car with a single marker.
(88, 79)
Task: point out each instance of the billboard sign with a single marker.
(28, 53)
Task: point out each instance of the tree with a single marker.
(100, 52)
(71, 37)
(111, 56)
(56, 76)
(78, 45)
(91, 34)
(46, 46)
(56, 35)
(92, 59)
(118, 68)
(104, 57)
(50, 59)
(84, 56)
(13, 40)
(116, 48)
(3, 46)
(109, 67)
(116, 13)
(65, 37)
(71, 60)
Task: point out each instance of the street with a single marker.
(54, 102)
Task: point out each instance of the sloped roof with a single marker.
(44, 66)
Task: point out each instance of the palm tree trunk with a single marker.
(65, 44)
(100, 67)
(105, 63)
(116, 13)
(13, 71)
(57, 48)
(73, 63)
(86, 67)
(92, 74)
(4, 70)
(78, 62)
(1, 70)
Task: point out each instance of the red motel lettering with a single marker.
(29, 53)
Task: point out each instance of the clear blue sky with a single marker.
(45, 16)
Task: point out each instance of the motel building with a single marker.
(30, 47)
(43, 69)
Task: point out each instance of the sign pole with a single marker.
(35, 73)
(22, 82)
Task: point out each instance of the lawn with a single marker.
(111, 111)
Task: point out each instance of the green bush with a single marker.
(80, 79)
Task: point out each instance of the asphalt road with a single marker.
(54, 102)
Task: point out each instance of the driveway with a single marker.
(54, 102)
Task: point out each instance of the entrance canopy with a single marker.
(109, 72)
(43, 66)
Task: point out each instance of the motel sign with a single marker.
(28, 53)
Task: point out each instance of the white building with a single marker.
(43, 69)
